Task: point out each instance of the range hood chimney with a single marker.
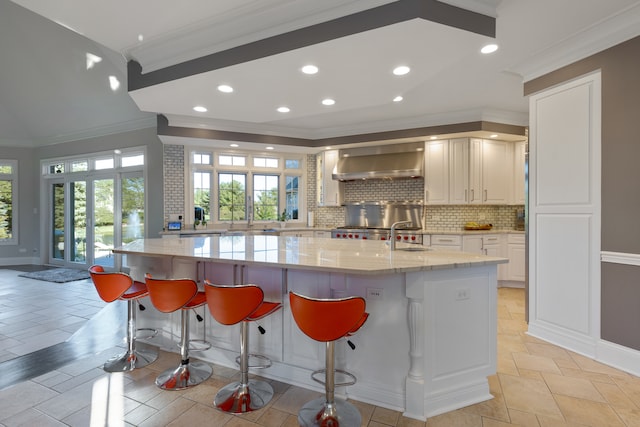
(380, 162)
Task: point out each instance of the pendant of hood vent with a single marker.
(384, 162)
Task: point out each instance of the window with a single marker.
(227, 160)
(232, 197)
(265, 197)
(201, 195)
(8, 194)
(265, 162)
(104, 163)
(238, 186)
(79, 166)
(292, 164)
(292, 191)
(133, 160)
(201, 158)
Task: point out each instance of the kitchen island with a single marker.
(427, 347)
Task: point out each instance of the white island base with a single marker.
(427, 348)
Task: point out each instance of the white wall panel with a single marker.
(564, 214)
(563, 281)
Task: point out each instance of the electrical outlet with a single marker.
(463, 293)
(482, 216)
(374, 293)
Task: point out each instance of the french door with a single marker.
(92, 215)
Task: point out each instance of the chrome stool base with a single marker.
(128, 361)
(184, 376)
(319, 413)
(240, 398)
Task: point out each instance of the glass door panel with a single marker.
(132, 196)
(57, 221)
(78, 239)
(103, 221)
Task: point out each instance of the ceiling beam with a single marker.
(381, 16)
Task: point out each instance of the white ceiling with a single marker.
(47, 94)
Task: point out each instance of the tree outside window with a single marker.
(232, 197)
(265, 197)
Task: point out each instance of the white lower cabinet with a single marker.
(322, 234)
(486, 244)
(449, 242)
(516, 255)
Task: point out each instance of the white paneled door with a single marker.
(564, 214)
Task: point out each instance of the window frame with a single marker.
(249, 170)
(15, 214)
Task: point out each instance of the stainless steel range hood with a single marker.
(389, 161)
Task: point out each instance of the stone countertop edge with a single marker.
(339, 259)
(278, 230)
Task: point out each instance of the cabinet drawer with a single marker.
(446, 240)
(516, 238)
(491, 240)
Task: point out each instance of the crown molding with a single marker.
(115, 128)
(604, 35)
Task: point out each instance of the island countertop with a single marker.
(308, 253)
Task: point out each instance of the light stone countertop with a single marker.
(307, 253)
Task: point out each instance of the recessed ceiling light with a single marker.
(233, 145)
(117, 151)
(328, 101)
(398, 98)
(490, 48)
(269, 148)
(310, 69)
(225, 88)
(494, 135)
(200, 109)
(401, 70)
(283, 109)
(140, 37)
(434, 137)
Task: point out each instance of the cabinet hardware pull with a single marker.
(473, 195)
(465, 195)
(485, 195)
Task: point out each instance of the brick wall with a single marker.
(173, 170)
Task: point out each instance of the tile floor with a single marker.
(537, 384)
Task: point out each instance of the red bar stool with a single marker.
(328, 320)
(241, 304)
(169, 295)
(114, 286)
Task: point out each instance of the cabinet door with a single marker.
(475, 172)
(329, 190)
(519, 154)
(459, 171)
(516, 266)
(436, 172)
(472, 244)
(496, 172)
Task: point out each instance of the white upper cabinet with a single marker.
(459, 171)
(519, 154)
(469, 171)
(436, 172)
(496, 174)
(329, 191)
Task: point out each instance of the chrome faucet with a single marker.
(392, 237)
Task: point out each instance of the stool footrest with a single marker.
(352, 378)
(262, 362)
(198, 345)
(149, 333)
